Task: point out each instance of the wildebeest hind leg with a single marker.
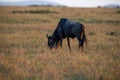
(80, 43)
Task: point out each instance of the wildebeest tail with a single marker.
(84, 39)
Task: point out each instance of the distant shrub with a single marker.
(17, 11)
(34, 5)
(118, 11)
(47, 11)
(112, 33)
(112, 21)
(92, 33)
(77, 77)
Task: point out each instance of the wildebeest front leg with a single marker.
(68, 43)
(61, 41)
(57, 44)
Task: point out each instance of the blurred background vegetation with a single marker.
(24, 54)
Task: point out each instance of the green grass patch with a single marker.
(47, 11)
(4, 19)
(90, 20)
(118, 11)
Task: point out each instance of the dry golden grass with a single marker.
(24, 54)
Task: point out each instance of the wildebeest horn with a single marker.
(47, 35)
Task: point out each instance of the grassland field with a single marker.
(24, 54)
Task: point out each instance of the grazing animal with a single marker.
(67, 29)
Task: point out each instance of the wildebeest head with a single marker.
(51, 42)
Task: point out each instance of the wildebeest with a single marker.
(67, 29)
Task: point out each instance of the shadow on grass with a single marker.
(76, 77)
